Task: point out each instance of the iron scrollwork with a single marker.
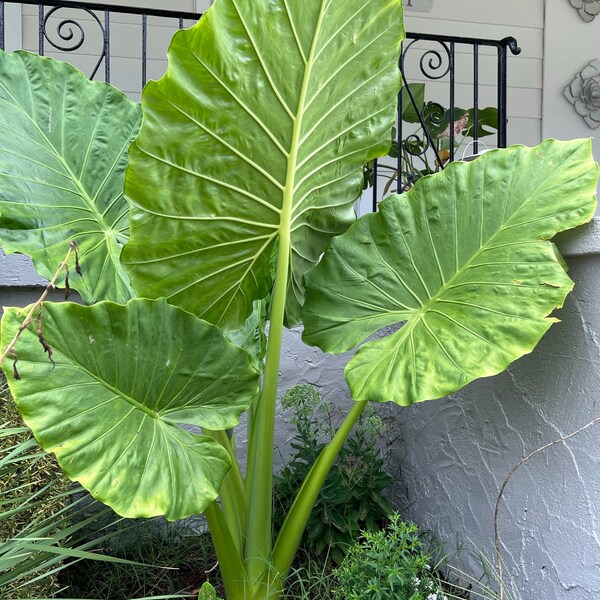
(434, 64)
(72, 33)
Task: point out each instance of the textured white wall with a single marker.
(456, 452)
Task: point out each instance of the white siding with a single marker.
(570, 45)
(522, 19)
(125, 40)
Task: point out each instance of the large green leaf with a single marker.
(62, 168)
(463, 258)
(125, 378)
(255, 136)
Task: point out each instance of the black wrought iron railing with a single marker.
(431, 128)
(439, 72)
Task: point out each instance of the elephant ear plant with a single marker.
(246, 166)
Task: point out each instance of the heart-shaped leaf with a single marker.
(62, 168)
(125, 378)
(254, 140)
(463, 258)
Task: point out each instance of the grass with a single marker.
(44, 518)
(310, 578)
(172, 563)
(32, 491)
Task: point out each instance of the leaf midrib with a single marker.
(414, 315)
(292, 161)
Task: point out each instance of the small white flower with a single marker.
(429, 585)
(416, 581)
(433, 596)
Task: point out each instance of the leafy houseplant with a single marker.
(247, 164)
(426, 150)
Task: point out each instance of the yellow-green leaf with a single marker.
(125, 379)
(462, 259)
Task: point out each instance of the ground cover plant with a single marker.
(32, 490)
(230, 205)
(401, 562)
(389, 564)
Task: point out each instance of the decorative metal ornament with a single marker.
(584, 93)
(588, 9)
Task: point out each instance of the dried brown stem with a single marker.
(29, 318)
(503, 488)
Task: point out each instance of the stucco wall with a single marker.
(456, 452)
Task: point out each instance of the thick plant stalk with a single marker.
(260, 454)
(28, 319)
(291, 532)
(237, 585)
(232, 493)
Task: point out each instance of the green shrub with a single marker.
(388, 565)
(351, 499)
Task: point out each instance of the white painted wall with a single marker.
(570, 45)
(488, 19)
(13, 32)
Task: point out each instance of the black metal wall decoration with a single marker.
(584, 93)
(588, 9)
(65, 32)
